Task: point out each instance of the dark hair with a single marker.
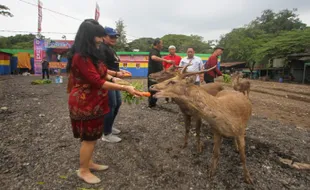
(84, 43)
(191, 48)
(219, 47)
(156, 41)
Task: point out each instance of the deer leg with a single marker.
(198, 126)
(236, 144)
(187, 121)
(248, 93)
(241, 143)
(216, 153)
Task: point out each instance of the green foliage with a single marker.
(143, 44)
(44, 81)
(63, 177)
(122, 40)
(18, 41)
(182, 42)
(5, 11)
(287, 42)
(274, 23)
(268, 36)
(130, 99)
(226, 78)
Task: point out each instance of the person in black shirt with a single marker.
(111, 60)
(45, 68)
(155, 65)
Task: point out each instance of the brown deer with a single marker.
(228, 113)
(188, 114)
(243, 86)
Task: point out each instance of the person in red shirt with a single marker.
(212, 63)
(88, 87)
(173, 57)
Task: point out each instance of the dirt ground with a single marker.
(38, 151)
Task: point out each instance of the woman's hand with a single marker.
(116, 80)
(120, 81)
(119, 74)
(131, 90)
(123, 73)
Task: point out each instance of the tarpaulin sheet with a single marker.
(58, 65)
(23, 60)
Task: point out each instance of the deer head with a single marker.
(177, 85)
(236, 74)
(164, 74)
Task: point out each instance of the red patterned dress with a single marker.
(88, 101)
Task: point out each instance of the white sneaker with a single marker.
(115, 131)
(111, 138)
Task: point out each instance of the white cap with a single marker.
(172, 47)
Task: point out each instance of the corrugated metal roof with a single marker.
(15, 51)
(230, 64)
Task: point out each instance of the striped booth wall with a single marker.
(137, 62)
(5, 67)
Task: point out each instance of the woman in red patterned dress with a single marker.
(88, 100)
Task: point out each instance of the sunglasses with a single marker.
(113, 37)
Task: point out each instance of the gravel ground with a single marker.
(38, 151)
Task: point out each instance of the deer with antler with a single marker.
(241, 86)
(227, 113)
(188, 113)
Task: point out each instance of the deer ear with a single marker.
(171, 69)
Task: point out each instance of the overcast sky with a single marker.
(144, 18)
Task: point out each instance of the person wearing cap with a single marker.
(172, 56)
(111, 60)
(212, 62)
(155, 65)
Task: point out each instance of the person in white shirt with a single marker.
(196, 64)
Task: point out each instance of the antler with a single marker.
(195, 73)
(185, 68)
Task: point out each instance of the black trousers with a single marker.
(47, 73)
(208, 78)
(152, 100)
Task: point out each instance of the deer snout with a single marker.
(153, 80)
(151, 88)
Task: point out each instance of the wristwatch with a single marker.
(111, 79)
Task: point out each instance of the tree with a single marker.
(182, 42)
(122, 40)
(273, 23)
(286, 43)
(262, 38)
(18, 41)
(143, 44)
(4, 10)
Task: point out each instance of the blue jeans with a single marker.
(115, 102)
